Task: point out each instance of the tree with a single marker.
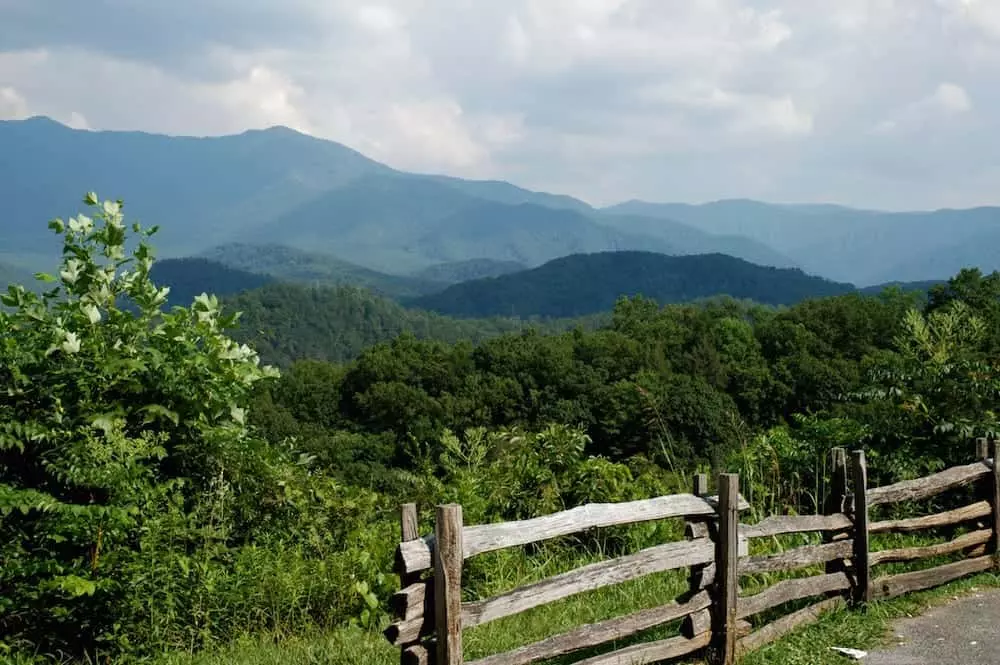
(115, 417)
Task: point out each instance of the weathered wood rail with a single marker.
(713, 611)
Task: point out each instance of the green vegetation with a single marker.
(165, 498)
(586, 283)
(288, 322)
(463, 271)
(293, 265)
(187, 278)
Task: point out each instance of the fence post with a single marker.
(836, 494)
(448, 556)
(726, 560)
(982, 449)
(695, 528)
(408, 530)
(994, 499)
(860, 562)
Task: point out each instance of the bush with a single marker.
(139, 509)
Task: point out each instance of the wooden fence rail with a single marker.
(431, 617)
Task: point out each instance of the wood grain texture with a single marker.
(587, 578)
(402, 633)
(409, 530)
(591, 635)
(993, 494)
(415, 555)
(490, 537)
(913, 553)
(799, 557)
(793, 589)
(787, 624)
(726, 577)
(697, 623)
(897, 585)
(415, 654)
(956, 516)
(860, 564)
(411, 601)
(922, 488)
(651, 652)
(448, 585)
(781, 524)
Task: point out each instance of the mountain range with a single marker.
(585, 284)
(237, 198)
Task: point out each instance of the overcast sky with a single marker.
(881, 103)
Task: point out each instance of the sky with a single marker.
(890, 104)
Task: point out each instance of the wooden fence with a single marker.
(431, 615)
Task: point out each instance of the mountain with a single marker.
(860, 246)
(13, 275)
(280, 187)
(293, 265)
(462, 271)
(204, 191)
(288, 322)
(696, 241)
(191, 277)
(586, 283)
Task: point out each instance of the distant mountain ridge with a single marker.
(865, 247)
(277, 186)
(587, 283)
(293, 265)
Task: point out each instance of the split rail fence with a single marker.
(713, 612)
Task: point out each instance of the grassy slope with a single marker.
(809, 646)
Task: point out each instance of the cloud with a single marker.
(885, 103)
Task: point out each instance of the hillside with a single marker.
(587, 283)
(280, 187)
(294, 265)
(12, 275)
(191, 277)
(462, 271)
(860, 246)
(289, 322)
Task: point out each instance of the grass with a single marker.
(858, 629)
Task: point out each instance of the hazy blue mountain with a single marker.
(586, 283)
(921, 286)
(504, 192)
(279, 187)
(191, 277)
(203, 190)
(462, 271)
(13, 275)
(696, 241)
(294, 265)
(861, 246)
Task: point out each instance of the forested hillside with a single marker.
(587, 283)
(164, 491)
(188, 278)
(462, 271)
(295, 265)
(288, 322)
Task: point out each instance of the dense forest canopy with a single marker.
(161, 489)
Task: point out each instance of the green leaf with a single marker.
(154, 411)
(75, 586)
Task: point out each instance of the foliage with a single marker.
(583, 284)
(139, 509)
